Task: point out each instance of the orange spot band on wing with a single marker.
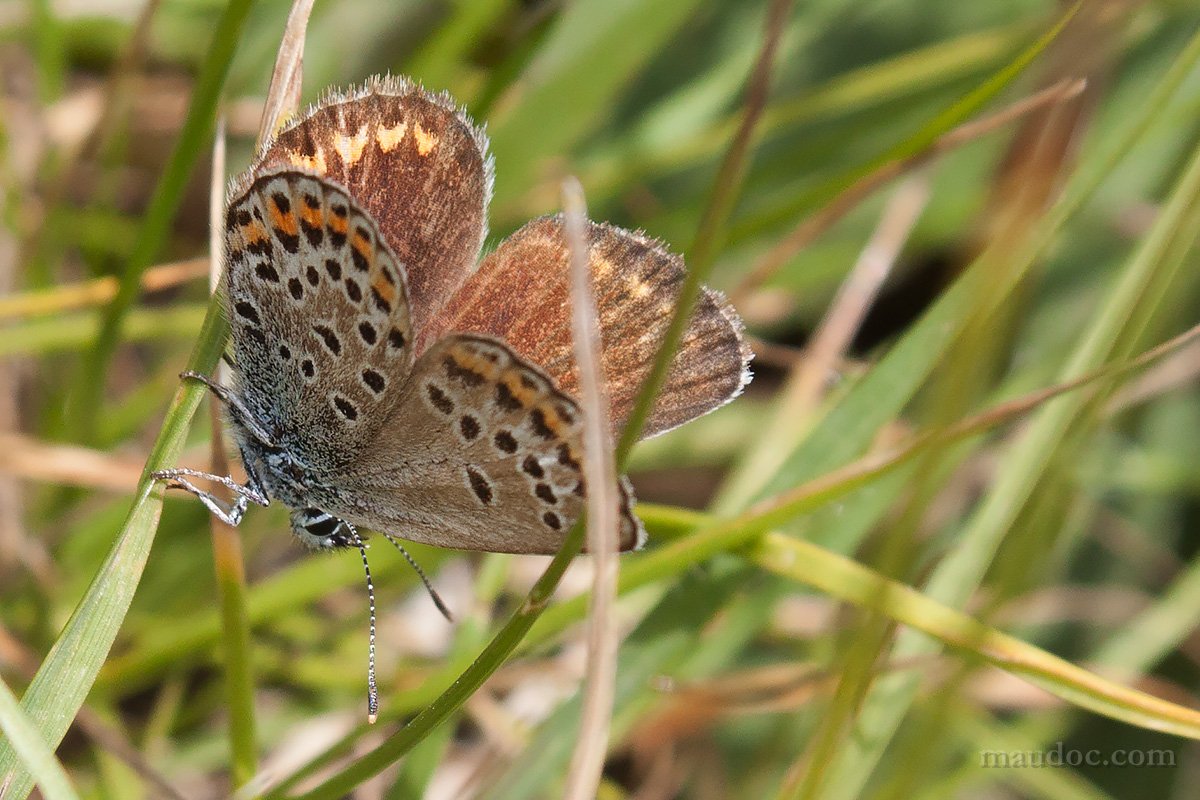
(338, 224)
(284, 222)
(426, 141)
(350, 148)
(383, 288)
(254, 233)
(363, 248)
(389, 138)
(512, 381)
(313, 217)
(475, 363)
(553, 421)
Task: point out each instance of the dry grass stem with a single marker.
(603, 500)
(1174, 372)
(90, 294)
(283, 95)
(65, 464)
(877, 463)
(802, 391)
(855, 297)
(20, 658)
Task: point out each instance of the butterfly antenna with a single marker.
(372, 689)
(433, 595)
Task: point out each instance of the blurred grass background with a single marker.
(1076, 531)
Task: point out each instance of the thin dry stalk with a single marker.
(225, 540)
(229, 560)
(1173, 373)
(812, 227)
(283, 95)
(603, 499)
(803, 389)
(12, 534)
(856, 296)
(90, 294)
(863, 469)
(226, 543)
(64, 464)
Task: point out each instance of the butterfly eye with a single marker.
(296, 472)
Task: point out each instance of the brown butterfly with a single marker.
(385, 378)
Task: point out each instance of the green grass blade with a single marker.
(850, 581)
(67, 332)
(435, 64)
(881, 395)
(1116, 326)
(595, 49)
(711, 232)
(87, 392)
(32, 751)
(489, 660)
(69, 670)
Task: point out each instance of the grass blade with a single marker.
(32, 751)
(1026, 465)
(69, 670)
(87, 392)
(850, 581)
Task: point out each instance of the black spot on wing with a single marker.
(480, 485)
(367, 331)
(439, 399)
(530, 466)
(247, 311)
(373, 380)
(329, 338)
(266, 271)
(505, 442)
(347, 409)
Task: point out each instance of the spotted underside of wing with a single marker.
(318, 307)
(520, 294)
(415, 163)
(481, 453)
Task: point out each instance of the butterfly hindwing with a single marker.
(482, 452)
(520, 294)
(318, 304)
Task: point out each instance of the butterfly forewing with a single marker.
(520, 294)
(322, 339)
(414, 162)
(481, 453)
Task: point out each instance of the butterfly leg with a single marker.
(233, 404)
(229, 514)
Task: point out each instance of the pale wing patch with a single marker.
(426, 140)
(389, 138)
(351, 147)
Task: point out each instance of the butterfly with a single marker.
(384, 377)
